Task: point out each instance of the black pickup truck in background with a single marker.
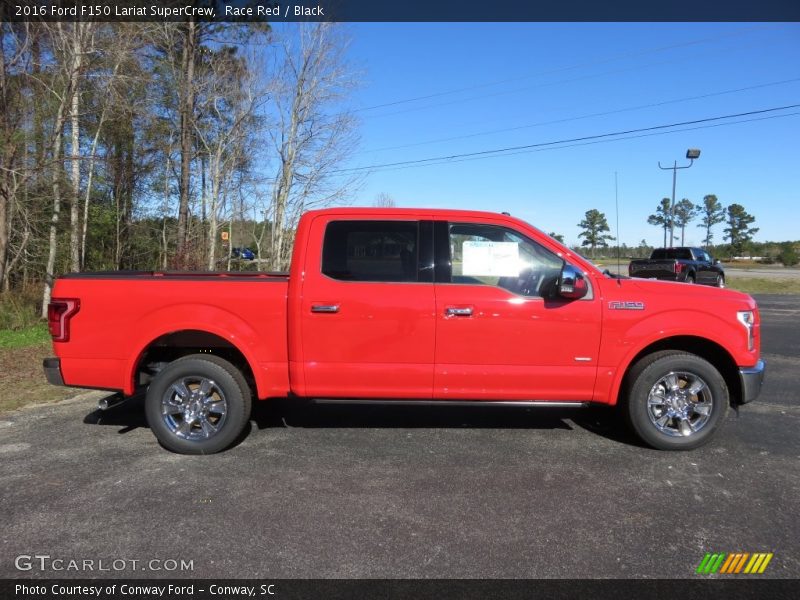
(690, 265)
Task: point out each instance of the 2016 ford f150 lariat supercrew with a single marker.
(388, 305)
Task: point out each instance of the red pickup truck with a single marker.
(409, 305)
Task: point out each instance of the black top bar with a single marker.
(400, 10)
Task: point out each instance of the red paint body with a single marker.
(394, 340)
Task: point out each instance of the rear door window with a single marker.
(384, 251)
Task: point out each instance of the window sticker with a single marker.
(498, 259)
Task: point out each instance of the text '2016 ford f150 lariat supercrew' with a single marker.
(419, 305)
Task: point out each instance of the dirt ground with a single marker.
(22, 379)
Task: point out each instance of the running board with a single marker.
(525, 403)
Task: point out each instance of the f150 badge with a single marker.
(619, 305)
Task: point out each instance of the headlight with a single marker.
(748, 319)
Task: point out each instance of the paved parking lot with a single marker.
(410, 492)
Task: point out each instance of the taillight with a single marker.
(678, 267)
(59, 312)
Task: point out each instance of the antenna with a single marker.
(616, 209)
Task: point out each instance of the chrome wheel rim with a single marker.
(194, 408)
(680, 404)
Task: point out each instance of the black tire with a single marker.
(199, 421)
(690, 279)
(720, 281)
(650, 381)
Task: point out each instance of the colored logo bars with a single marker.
(734, 563)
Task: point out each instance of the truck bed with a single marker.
(124, 312)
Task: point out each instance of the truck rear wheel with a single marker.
(675, 400)
(198, 404)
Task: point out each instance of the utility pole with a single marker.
(691, 154)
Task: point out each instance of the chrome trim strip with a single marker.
(526, 403)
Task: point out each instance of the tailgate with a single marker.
(660, 269)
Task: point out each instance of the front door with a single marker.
(502, 332)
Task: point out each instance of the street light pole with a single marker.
(691, 154)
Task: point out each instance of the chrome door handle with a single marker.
(456, 311)
(324, 308)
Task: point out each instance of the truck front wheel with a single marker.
(198, 404)
(675, 400)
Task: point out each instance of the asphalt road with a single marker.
(774, 272)
(409, 492)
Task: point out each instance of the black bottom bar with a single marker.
(731, 588)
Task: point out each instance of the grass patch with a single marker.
(747, 265)
(22, 380)
(754, 285)
(21, 308)
(22, 338)
(24, 343)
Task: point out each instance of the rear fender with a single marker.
(200, 317)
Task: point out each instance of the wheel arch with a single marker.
(170, 346)
(266, 361)
(711, 351)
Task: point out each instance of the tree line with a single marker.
(739, 230)
(135, 145)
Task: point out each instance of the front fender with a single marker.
(623, 342)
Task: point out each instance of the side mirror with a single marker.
(572, 283)
(716, 261)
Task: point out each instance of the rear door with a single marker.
(502, 332)
(367, 310)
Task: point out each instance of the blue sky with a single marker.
(524, 76)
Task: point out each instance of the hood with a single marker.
(691, 294)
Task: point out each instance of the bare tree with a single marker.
(120, 42)
(231, 99)
(186, 126)
(384, 200)
(311, 140)
(82, 40)
(179, 45)
(14, 41)
(62, 88)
